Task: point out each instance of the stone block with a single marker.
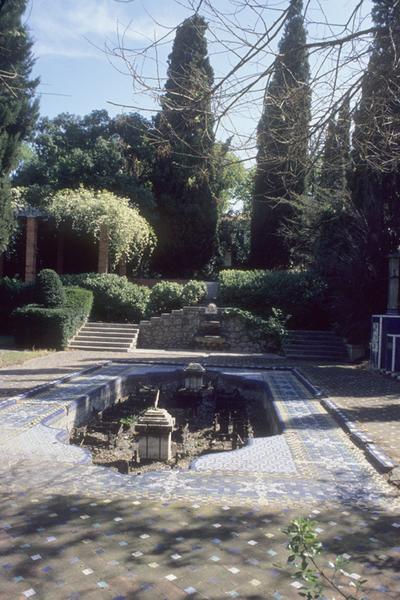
(155, 447)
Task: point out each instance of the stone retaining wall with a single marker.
(178, 329)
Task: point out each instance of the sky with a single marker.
(78, 76)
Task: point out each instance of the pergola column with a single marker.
(122, 267)
(102, 265)
(60, 251)
(30, 248)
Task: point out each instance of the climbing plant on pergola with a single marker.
(92, 212)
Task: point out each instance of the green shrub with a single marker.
(41, 327)
(115, 299)
(13, 293)
(297, 294)
(193, 292)
(118, 300)
(49, 291)
(168, 295)
(271, 331)
(164, 297)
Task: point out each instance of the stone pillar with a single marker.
(228, 258)
(102, 265)
(122, 267)
(155, 429)
(30, 248)
(393, 291)
(60, 252)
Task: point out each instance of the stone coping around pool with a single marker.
(381, 461)
(38, 389)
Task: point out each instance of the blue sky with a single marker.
(76, 74)
(69, 35)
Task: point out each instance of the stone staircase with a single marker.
(315, 345)
(115, 337)
(209, 335)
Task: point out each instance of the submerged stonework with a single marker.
(155, 428)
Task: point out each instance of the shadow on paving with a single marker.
(352, 381)
(77, 547)
(377, 413)
(39, 371)
(365, 415)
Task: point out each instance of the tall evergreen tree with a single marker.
(282, 145)
(18, 109)
(183, 167)
(357, 237)
(375, 182)
(336, 154)
(331, 196)
(314, 232)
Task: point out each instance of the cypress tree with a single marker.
(316, 228)
(18, 109)
(375, 181)
(336, 153)
(282, 140)
(358, 238)
(183, 166)
(331, 197)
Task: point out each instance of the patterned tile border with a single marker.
(38, 389)
(374, 453)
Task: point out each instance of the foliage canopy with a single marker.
(184, 140)
(95, 151)
(18, 108)
(282, 140)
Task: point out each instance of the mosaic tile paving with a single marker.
(73, 547)
(71, 530)
(260, 455)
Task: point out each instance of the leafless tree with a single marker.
(243, 40)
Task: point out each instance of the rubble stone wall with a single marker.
(178, 330)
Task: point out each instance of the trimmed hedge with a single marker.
(271, 331)
(115, 299)
(169, 295)
(193, 292)
(13, 293)
(49, 290)
(41, 327)
(164, 297)
(297, 294)
(118, 300)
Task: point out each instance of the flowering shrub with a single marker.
(131, 237)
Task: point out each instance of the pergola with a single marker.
(32, 217)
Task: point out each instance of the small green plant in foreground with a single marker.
(304, 548)
(129, 421)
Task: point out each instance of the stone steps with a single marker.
(315, 345)
(114, 337)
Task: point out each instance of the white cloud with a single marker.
(74, 29)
